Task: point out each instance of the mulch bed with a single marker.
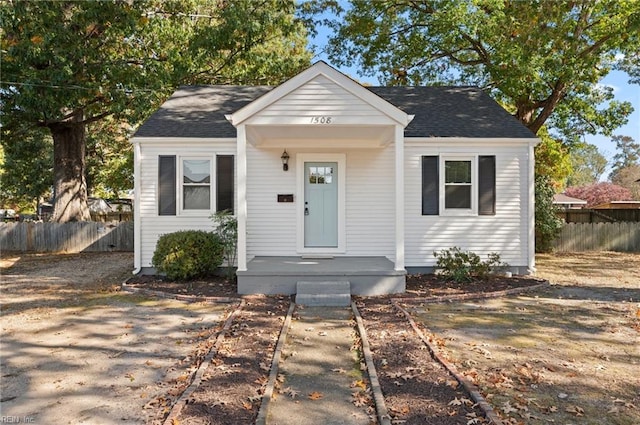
(417, 388)
(418, 286)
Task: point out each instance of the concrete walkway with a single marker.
(320, 371)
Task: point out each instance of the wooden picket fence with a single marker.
(66, 237)
(621, 237)
(118, 236)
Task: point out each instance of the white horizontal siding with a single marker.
(321, 96)
(152, 225)
(505, 233)
(271, 226)
(370, 215)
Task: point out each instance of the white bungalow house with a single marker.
(330, 180)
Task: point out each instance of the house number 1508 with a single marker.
(321, 120)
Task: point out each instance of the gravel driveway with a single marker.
(76, 350)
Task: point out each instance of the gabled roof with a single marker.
(316, 70)
(199, 111)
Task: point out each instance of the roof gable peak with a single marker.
(316, 70)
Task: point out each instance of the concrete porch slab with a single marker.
(279, 275)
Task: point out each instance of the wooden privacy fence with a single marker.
(66, 237)
(621, 237)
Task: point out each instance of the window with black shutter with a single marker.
(449, 185)
(487, 185)
(224, 183)
(167, 185)
(430, 186)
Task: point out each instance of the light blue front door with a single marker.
(320, 204)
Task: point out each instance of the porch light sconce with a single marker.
(285, 160)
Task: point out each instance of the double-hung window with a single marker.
(189, 185)
(196, 184)
(459, 185)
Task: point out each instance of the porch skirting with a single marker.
(279, 275)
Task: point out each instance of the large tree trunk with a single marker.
(70, 187)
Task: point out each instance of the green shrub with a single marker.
(187, 254)
(548, 225)
(466, 266)
(227, 230)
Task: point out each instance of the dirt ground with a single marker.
(567, 354)
(74, 349)
(74, 346)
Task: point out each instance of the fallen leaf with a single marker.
(576, 410)
(315, 395)
(291, 392)
(507, 408)
(339, 370)
(455, 402)
(247, 405)
(359, 383)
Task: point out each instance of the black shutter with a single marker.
(430, 186)
(224, 183)
(486, 185)
(166, 185)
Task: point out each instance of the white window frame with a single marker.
(473, 211)
(180, 186)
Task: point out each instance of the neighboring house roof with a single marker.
(562, 199)
(199, 111)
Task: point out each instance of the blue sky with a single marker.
(618, 80)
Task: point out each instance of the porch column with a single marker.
(531, 211)
(241, 164)
(399, 145)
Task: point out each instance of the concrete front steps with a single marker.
(328, 294)
(368, 276)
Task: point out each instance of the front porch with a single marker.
(279, 275)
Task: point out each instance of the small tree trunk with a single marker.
(70, 187)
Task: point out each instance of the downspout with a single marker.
(137, 231)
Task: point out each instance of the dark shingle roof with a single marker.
(199, 111)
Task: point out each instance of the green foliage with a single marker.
(109, 158)
(628, 154)
(66, 65)
(552, 159)
(544, 58)
(227, 231)
(466, 266)
(188, 254)
(588, 165)
(547, 223)
(26, 172)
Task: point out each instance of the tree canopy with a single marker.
(66, 65)
(600, 193)
(542, 59)
(588, 165)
